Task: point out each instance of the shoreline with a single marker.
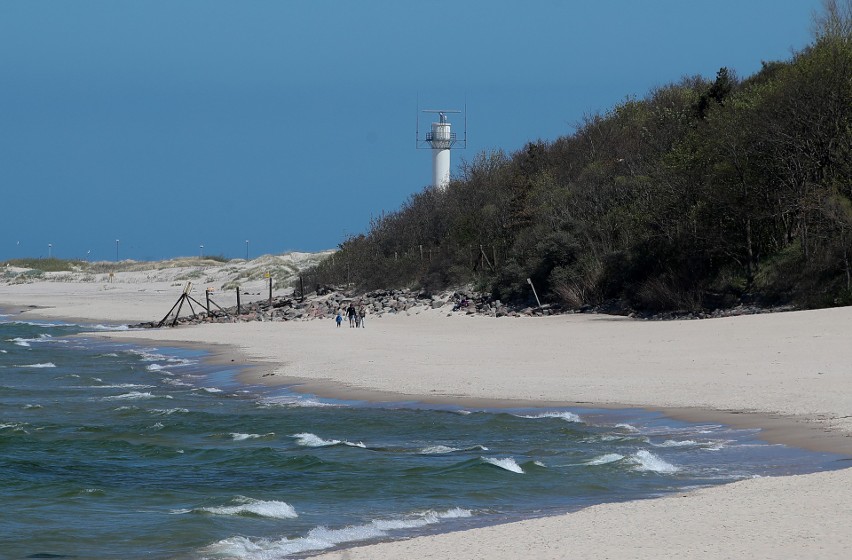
(804, 433)
(779, 517)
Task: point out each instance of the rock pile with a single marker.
(327, 302)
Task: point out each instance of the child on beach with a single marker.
(339, 318)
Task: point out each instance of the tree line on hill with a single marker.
(703, 194)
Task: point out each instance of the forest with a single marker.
(706, 193)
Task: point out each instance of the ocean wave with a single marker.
(250, 507)
(211, 390)
(240, 437)
(135, 395)
(150, 355)
(120, 386)
(442, 449)
(617, 437)
(628, 427)
(506, 463)
(647, 461)
(605, 459)
(322, 538)
(176, 382)
(292, 401)
(38, 366)
(564, 415)
(312, 440)
(168, 411)
(100, 327)
(676, 443)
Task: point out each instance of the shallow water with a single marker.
(113, 450)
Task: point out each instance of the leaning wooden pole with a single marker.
(177, 313)
(161, 323)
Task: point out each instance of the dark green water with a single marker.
(117, 451)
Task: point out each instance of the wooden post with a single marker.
(207, 293)
(239, 310)
(270, 289)
(534, 293)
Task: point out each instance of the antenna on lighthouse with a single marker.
(441, 139)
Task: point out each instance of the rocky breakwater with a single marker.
(327, 302)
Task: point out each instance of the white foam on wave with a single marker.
(100, 327)
(167, 411)
(308, 439)
(628, 427)
(617, 437)
(176, 382)
(647, 461)
(135, 395)
(121, 386)
(39, 366)
(321, 538)
(296, 402)
(564, 415)
(605, 459)
(312, 440)
(21, 341)
(272, 509)
(441, 449)
(676, 443)
(506, 463)
(241, 437)
(212, 390)
(152, 356)
(437, 450)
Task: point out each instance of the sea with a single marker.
(120, 450)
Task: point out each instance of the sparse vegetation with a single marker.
(46, 265)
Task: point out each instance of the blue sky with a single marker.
(173, 124)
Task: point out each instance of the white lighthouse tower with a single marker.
(441, 139)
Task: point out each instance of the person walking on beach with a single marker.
(339, 318)
(350, 312)
(362, 313)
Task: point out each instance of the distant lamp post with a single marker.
(89, 255)
(201, 251)
(49, 250)
(247, 244)
(116, 250)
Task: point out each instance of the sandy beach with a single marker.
(788, 373)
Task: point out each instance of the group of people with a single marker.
(356, 316)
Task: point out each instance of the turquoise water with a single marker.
(111, 450)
